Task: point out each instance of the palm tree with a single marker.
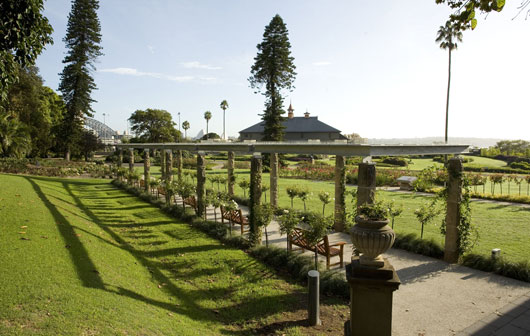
(448, 35)
(14, 137)
(207, 116)
(186, 127)
(224, 106)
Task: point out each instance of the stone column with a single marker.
(340, 198)
(179, 165)
(366, 184)
(201, 183)
(120, 158)
(256, 166)
(274, 179)
(131, 159)
(147, 168)
(162, 165)
(231, 176)
(452, 217)
(169, 165)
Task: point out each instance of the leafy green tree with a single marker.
(318, 227)
(89, 143)
(38, 107)
(274, 69)
(224, 106)
(207, 116)
(186, 127)
(448, 37)
(82, 40)
(24, 32)
(464, 16)
(14, 137)
(152, 125)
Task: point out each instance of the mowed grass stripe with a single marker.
(81, 257)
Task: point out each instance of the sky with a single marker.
(369, 67)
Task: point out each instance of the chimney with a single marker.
(290, 110)
(306, 114)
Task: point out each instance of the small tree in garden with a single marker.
(303, 194)
(208, 200)
(394, 211)
(482, 181)
(288, 221)
(171, 190)
(193, 175)
(518, 180)
(244, 184)
(217, 201)
(509, 179)
(230, 205)
(496, 178)
(263, 214)
(221, 180)
(207, 116)
(185, 190)
(264, 189)
(153, 184)
(186, 127)
(212, 179)
(292, 192)
(426, 214)
(318, 227)
(325, 198)
(527, 179)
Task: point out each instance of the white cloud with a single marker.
(134, 72)
(321, 63)
(198, 65)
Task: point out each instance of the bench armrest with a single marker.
(338, 244)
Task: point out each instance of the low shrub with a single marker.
(395, 161)
(516, 270)
(412, 243)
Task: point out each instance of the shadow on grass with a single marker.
(189, 283)
(84, 266)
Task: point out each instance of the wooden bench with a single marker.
(323, 247)
(142, 184)
(191, 201)
(235, 216)
(161, 191)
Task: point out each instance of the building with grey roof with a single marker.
(296, 129)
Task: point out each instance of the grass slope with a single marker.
(80, 257)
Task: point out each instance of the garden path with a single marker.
(437, 298)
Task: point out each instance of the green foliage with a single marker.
(411, 242)
(325, 198)
(292, 192)
(89, 143)
(394, 210)
(185, 127)
(464, 16)
(153, 125)
(83, 36)
(318, 226)
(426, 213)
(275, 69)
(516, 270)
(14, 137)
(24, 32)
(263, 215)
(377, 211)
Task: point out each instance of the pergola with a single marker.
(369, 287)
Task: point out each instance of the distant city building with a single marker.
(296, 129)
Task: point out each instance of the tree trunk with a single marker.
(447, 101)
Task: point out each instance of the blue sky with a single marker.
(371, 68)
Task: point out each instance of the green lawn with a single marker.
(80, 257)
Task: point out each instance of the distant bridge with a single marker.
(102, 131)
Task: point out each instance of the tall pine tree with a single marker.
(82, 39)
(275, 69)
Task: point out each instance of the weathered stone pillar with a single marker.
(274, 179)
(147, 168)
(162, 165)
(201, 183)
(120, 158)
(452, 217)
(256, 166)
(179, 165)
(340, 198)
(169, 165)
(131, 159)
(231, 176)
(366, 184)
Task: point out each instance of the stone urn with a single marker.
(371, 238)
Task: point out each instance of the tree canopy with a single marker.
(464, 16)
(273, 68)
(153, 125)
(82, 40)
(24, 32)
